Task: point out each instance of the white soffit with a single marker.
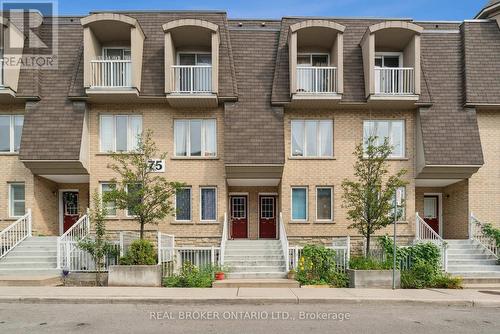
(253, 182)
(435, 182)
(67, 178)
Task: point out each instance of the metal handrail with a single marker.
(15, 233)
(69, 239)
(284, 241)
(476, 233)
(425, 233)
(223, 240)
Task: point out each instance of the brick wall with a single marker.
(193, 172)
(485, 184)
(348, 132)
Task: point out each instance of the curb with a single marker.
(248, 301)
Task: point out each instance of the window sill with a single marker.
(297, 222)
(312, 158)
(182, 223)
(208, 223)
(324, 222)
(194, 158)
(9, 153)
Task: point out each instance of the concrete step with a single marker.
(482, 286)
(40, 248)
(31, 252)
(481, 280)
(458, 252)
(471, 257)
(255, 275)
(259, 268)
(256, 283)
(247, 263)
(253, 257)
(35, 280)
(469, 262)
(29, 265)
(246, 252)
(29, 272)
(464, 268)
(39, 259)
(475, 274)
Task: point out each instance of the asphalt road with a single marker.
(272, 319)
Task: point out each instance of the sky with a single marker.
(272, 9)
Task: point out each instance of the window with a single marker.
(299, 203)
(324, 203)
(135, 198)
(195, 59)
(314, 60)
(312, 138)
(389, 60)
(120, 133)
(11, 128)
(17, 200)
(195, 138)
(208, 203)
(400, 209)
(183, 204)
(393, 130)
(109, 205)
(116, 53)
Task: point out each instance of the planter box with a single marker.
(373, 278)
(134, 275)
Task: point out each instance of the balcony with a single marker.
(395, 81)
(317, 80)
(191, 79)
(111, 73)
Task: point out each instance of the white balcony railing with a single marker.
(395, 81)
(191, 79)
(317, 80)
(111, 73)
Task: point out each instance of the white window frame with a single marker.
(307, 203)
(311, 54)
(188, 134)
(201, 203)
(389, 54)
(195, 53)
(103, 203)
(331, 204)
(126, 210)
(318, 138)
(12, 120)
(190, 206)
(11, 199)
(391, 121)
(129, 144)
(127, 48)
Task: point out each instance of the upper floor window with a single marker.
(194, 58)
(312, 138)
(393, 130)
(116, 53)
(120, 133)
(311, 59)
(389, 60)
(11, 128)
(17, 201)
(195, 138)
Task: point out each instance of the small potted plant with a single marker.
(291, 274)
(219, 272)
(219, 275)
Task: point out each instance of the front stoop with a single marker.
(256, 283)
(30, 280)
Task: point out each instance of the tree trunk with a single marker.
(141, 236)
(367, 246)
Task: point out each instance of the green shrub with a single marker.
(317, 266)
(140, 252)
(492, 232)
(425, 275)
(421, 252)
(368, 263)
(191, 276)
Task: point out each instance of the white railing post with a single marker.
(30, 223)
(223, 239)
(158, 236)
(471, 226)
(212, 255)
(348, 251)
(417, 226)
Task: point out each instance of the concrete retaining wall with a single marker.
(134, 276)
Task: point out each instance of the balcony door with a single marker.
(195, 72)
(116, 67)
(310, 79)
(387, 80)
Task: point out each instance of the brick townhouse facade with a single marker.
(259, 117)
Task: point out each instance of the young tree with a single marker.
(145, 194)
(370, 197)
(98, 247)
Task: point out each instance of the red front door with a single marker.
(267, 217)
(239, 219)
(431, 212)
(70, 209)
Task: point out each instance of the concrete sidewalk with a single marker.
(111, 295)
